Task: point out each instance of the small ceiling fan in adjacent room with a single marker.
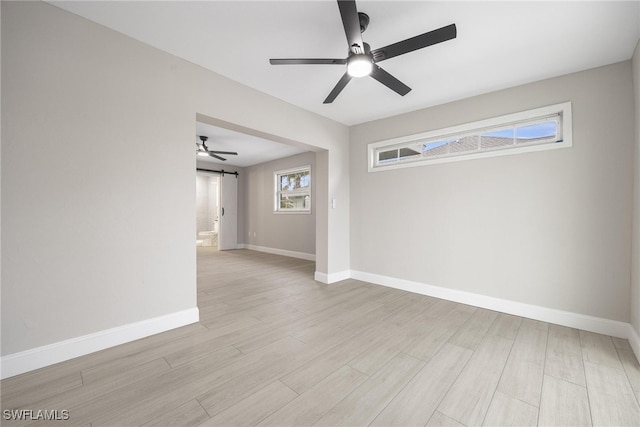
(361, 60)
(203, 150)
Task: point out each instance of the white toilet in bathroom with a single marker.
(210, 238)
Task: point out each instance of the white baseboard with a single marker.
(283, 252)
(559, 317)
(29, 360)
(332, 277)
(634, 340)
(318, 276)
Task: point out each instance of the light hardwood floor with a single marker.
(276, 348)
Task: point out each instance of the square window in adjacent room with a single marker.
(293, 190)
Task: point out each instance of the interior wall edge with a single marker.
(634, 340)
(331, 278)
(635, 227)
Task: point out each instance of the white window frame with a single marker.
(276, 181)
(563, 110)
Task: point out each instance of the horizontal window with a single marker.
(533, 130)
(293, 190)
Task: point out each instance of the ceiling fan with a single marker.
(361, 60)
(203, 150)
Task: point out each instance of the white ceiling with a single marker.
(251, 149)
(500, 44)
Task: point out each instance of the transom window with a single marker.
(293, 190)
(533, 130)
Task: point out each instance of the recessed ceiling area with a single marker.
(499, 44)
(251, 149)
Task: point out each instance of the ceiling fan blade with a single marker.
(351, 24)
(389, 81)
(338, 88)
(414, 43)
(217, 157)
(232, 153)
(303, 61)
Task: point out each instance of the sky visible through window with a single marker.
(538, 130)
(436, 144)
(546, 129)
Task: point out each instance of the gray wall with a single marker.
(291, 232)
(548, 228)
(98, 172)
(635, 277)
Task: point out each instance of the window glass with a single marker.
(465, 144)
(537, 132)
(293, 190)
(537, 129)
(496, 139)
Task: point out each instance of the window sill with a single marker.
(292, 212)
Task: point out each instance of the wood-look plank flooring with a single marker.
(275, 348)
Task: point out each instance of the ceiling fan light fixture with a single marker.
(359, 65)
(361, 60)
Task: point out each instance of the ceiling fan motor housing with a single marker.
(364, 21)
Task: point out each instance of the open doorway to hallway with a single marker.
(261, 222)
(217, 209)
(261, 226)
(207, 212)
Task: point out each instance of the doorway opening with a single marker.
(216, 209)
(259, 227)
(207, 212)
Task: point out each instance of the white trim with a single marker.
(35, 358)
(545, 314)
(332, 277)
(293, 212)
(276, 251)
(567, 138)
(634, 340)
